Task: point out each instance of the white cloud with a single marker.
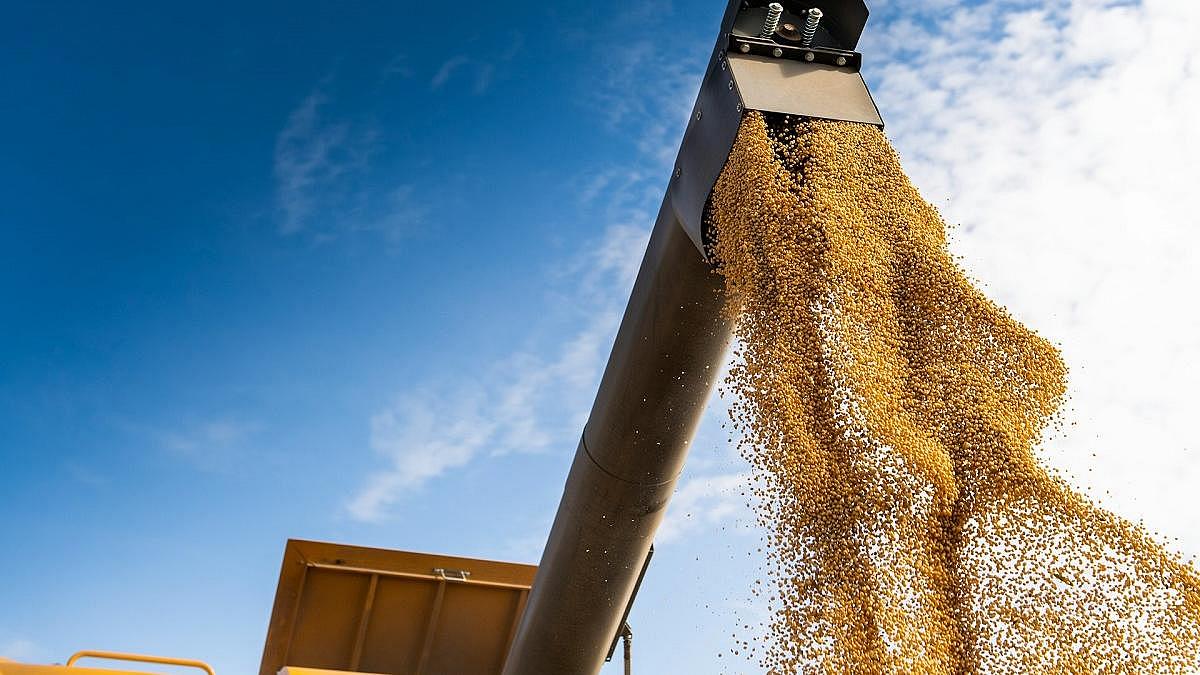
(446, 70)
(422, 438)
(397, 68)
(311, 156)
(481, 73)
(1062, 137)
(523, 403)
(400, 212)
(526, 402)
(321, 167)
(84, 475)
(649, 89)
(20, 650)
(705, 503)
(216, 445)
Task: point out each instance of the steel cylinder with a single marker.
(663, 366)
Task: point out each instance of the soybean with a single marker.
(890, 411)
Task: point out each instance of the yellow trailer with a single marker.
(349, 609)
(342, 609)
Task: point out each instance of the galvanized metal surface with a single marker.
(810, 89)
(659, 377)
(365, 610)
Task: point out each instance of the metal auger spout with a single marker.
(673, 337)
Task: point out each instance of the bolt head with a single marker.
(841, 60)
(699, 114)
(809, 56)
(777, 52)
(744, 48)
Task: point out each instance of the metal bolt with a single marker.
(809, 56)
(678, 172)
(774, 11)
(744, 48)
(777, 52)
(731, 85)
(841, 60)
(699, 114)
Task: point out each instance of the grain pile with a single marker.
(891, 411)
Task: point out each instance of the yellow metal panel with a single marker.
(798, 87)
(331, 598)
(9, 668)
(365, 610)
(472, 633)
(396, 632)
(292, 670)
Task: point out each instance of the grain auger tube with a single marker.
(789, 57)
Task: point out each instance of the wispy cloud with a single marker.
(483, 79)
(215, 445)
(84, 474)
(479, 74)
(527, 402)
(397, 68)
(649, 90)
(394, 214)
(324, 185)
(704, 503)
(443, 74)
(21, 650)
(522, 403)
(313, 158)
(422, 438)
(476, 74)
(646, 96)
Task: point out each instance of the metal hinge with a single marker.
(451, 575)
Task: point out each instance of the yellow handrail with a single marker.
(120, 656)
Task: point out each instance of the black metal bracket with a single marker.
(838, 58)
(841, 25)
(623, 627)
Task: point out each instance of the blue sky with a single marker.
(350, 271)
